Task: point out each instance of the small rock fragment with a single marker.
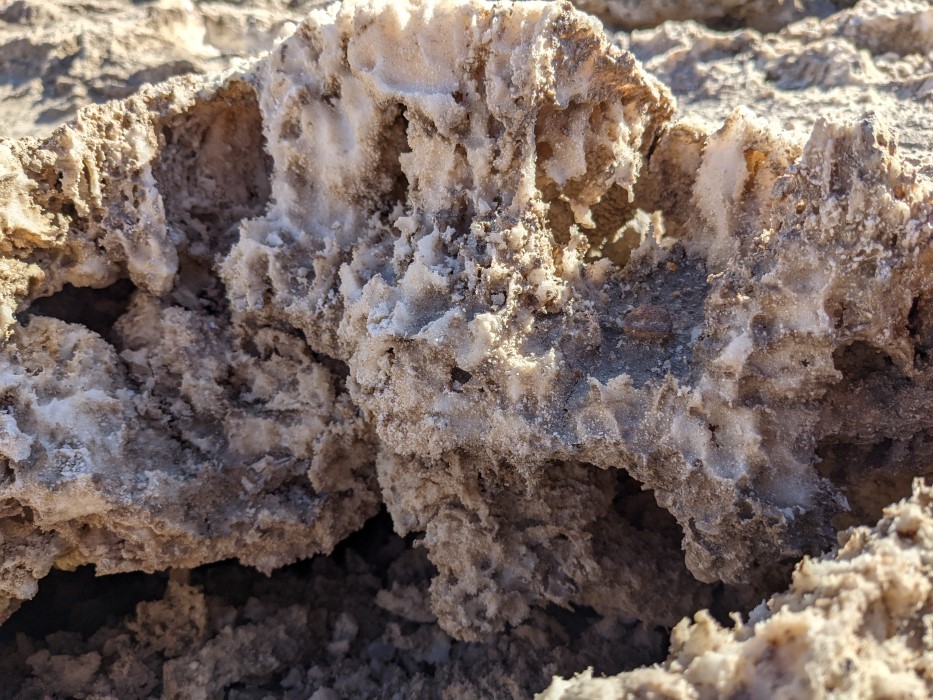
(649, 323)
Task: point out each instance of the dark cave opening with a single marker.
(875, 433)
(77, 616)
(78, 601)
(97, 309)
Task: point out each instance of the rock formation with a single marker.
(467, 260)
(143, 428)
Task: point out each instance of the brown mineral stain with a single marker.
(649, 323)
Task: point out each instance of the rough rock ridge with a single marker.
(459, 258)
(143, 429)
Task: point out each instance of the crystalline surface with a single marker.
(469, 261)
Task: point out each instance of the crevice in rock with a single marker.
(920, 328)
(874, 473)
(339, 369)
(859, 360)
(875, 431)
(358, 618)
(213, 170)
(619, 229)
(197, 288)
(395, 145)
(458, 378)
(638, 540)
(97, 309)
(639, 507)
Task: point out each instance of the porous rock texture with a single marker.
(148, 430)
(214, 419)
(521, 355)
(469, 260)
(856, 624)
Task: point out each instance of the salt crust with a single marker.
(411, 257)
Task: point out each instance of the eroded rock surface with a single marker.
(143, 429)
(461, 258)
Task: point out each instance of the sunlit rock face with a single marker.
(461, 259)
